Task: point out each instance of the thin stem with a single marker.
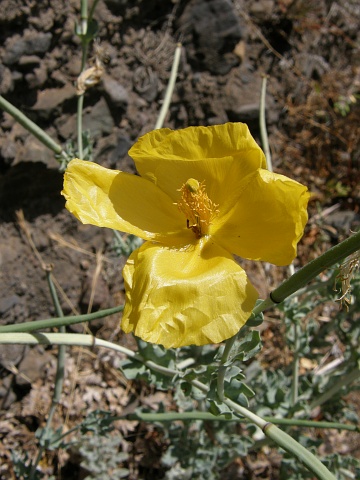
(84, 17)
(92, 9)
(281, 438)
(24, 121)
(59, 376)
(170, 88)
(296, 363)
(310, 271)
(263, 130)
(84, 54)
(222, 367)
(79, 125)
(59, 321)
(303, 454)
(206, 416)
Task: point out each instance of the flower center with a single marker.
(197, 207)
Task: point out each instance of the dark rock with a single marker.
(51, 98)
(344, 221)
(116, 93)
(6, 80)
(97, 119)
(121, 149)
(146, 83)
(38, 77)
(211, 31)
(32, 366)
(32, 42)
(8, 302)
(29, 60)
(111, 150)
(7, 395)
(34, 151)
(11, 355)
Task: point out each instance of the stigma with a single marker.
(197, 207)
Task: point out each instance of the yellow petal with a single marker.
(220, 155)
(268, 219)
(118, 200)
(176, 297)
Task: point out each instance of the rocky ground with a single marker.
(310, 52)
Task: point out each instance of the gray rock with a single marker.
(96, 119)
(211, 31)
(30, 43)
(11, 355)
(344, 221)
(6, 80)
(7, 395)
(32, 366)
(8, 302)
(116, 93)
(51, 98)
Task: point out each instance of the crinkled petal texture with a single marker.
(220, 155)
(267, 220)
(176, 297)
(125, 202)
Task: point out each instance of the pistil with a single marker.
(197, 207)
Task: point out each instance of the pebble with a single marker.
(31, 42)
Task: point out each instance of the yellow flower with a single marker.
(203, 194)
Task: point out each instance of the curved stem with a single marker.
(263, 130)
(24, 121)
(281, 438)
(296, 363)
(310, 271)
(59, 376)
(303, 454)
(59, 321)
(170, 87)
(206, 416)
(79, 124)
(222, 367)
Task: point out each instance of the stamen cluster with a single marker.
(197, 207)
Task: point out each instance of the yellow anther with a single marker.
(197, 207)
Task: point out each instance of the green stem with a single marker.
(84, 54)
(341, 382)
(222, 367)
(206, 416)
(310, 271)
(281, 438)
(24, 121)
(296, 361)
(92, 9)
(303, 454)
(59, 321)
(59, 376)
(79, 125)
(84, 17)
(263, 130)
(170, 88)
